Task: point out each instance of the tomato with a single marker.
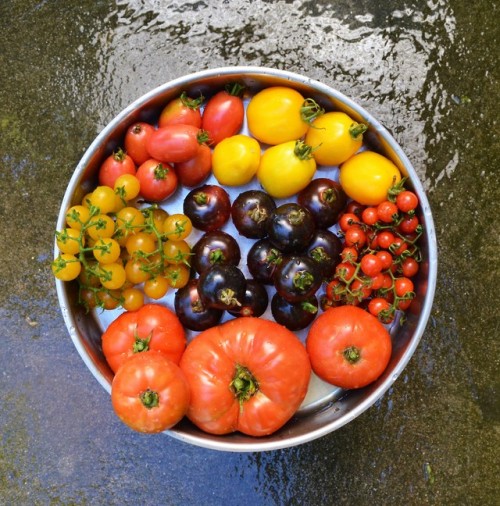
(104, 198)
(173, 143)
(409, 267)
(248, 375)
(235, 160)
(132, 299)
(115, 165)
(177, 226)
(100, 225)
(335, 137)
(68, 241)
(112, 275)
(136, 137)
(347, 220)
(369, 216)
(274, 115)
(197, 169)
(355, 236)
(371, 264)
(156, 288)
(382, 309)
(348, 347)
(367, 176)
(66, 267)
(152, 327)
(286, 169)
(106, 250)
(403, 286)
(158, 180)
(77, 216)
(182, 110)
(387, 211)
(224, 113)
(150, 393)
(127, 187)
(409, 224)
(385, 239)
(406, 201)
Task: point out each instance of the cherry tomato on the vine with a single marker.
(406, 201)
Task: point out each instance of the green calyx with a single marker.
(244, 385)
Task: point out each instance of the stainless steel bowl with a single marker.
(325, 408)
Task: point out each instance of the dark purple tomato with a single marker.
(191, 311)
(325, 199)
(222, 287)
(297, 278)
(215, 247)
(262, 260)
(208, 207)
(255, 301)
(290, 227)
(294, 315)
(250, 213)
(324, 249)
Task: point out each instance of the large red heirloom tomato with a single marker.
(152, 327)
(348, 347)
(248, 374)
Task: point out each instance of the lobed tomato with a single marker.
(248, 375)
(157, 180)
(115, 165)
(152, 327)
(149, 393)
(173, 143)
(348, 347)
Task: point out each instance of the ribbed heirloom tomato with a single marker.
(248, 374)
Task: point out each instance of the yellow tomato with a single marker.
(334, 137)
(235, 160)
(286, 168)
(66, 267)
(367, 176)
(274, 115)
(69, 241)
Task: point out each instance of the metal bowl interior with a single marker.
(339, 407)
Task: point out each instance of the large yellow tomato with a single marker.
(367, 176)
(286, 168)
(274, 115)
(334, 137)
(235, 160)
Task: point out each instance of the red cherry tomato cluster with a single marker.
(380, 255)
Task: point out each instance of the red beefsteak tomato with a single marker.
(248, 375)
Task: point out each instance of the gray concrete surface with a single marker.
(428, 71)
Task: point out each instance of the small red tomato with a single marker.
(173, 143)
(403, 286)
(135, 141)
(406, 201)
(369, 216)
(385, 257)
(409, 224)
(348, 220)
(409, 267)
(150, 393)
(355, 236)
(197, 169)
(371, 264)
(224, 113)
(115, 165)
(182, 110)
(387, 211)
(158, 180)
(385, 239)
(345, 271)
(381, 308)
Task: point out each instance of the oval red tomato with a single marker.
(173, 143)
(348, 347)
(114, 166)
(152, 327)
(149, 393)
(197, 169)
(248, 374)
(157, 180)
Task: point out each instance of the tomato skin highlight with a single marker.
(173, 143)
(348, 347)
(149, 393)
(276, 360)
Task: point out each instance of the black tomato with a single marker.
(208, 207)
(297, 278)
(325, 248)
(191, 311)
(215, 247)
(290, 227)
(255, 301)
(222, 287)
(294, 315)
(250, 213)
(325, 199)
(262, 260)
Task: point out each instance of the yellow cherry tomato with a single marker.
(112, 275)
(235, 160)
(66, 267)
(177, 226)
(286, 168)
(106, 250)
(68, 241)
(104, 198)
(77, 216)
(367, 176)
(100, 226)
(156, 288)
(132, 299)
(274, 115)
(334, 137)
(127, 186)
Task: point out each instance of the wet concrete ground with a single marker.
(428, 71)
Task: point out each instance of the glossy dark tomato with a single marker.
(297, 278)
(325, 248)
(290, 227)
(191, 311)
(222, 287)
(208, 207)
(251, 211)
(255, 302)
(325, 199)
(294, 315)
(262, 260)
(215, 247)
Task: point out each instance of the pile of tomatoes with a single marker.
(348, 248)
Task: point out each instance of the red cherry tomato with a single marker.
(224, 113)
(381, 308)
(173, 143)
(403, 286)
(135, 141)
(406, 201)
(182, 110)
(387, 211)
(348, 347)
(158, 180)
(409, 267)
(114, 166)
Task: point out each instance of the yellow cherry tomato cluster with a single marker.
(120, 254)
